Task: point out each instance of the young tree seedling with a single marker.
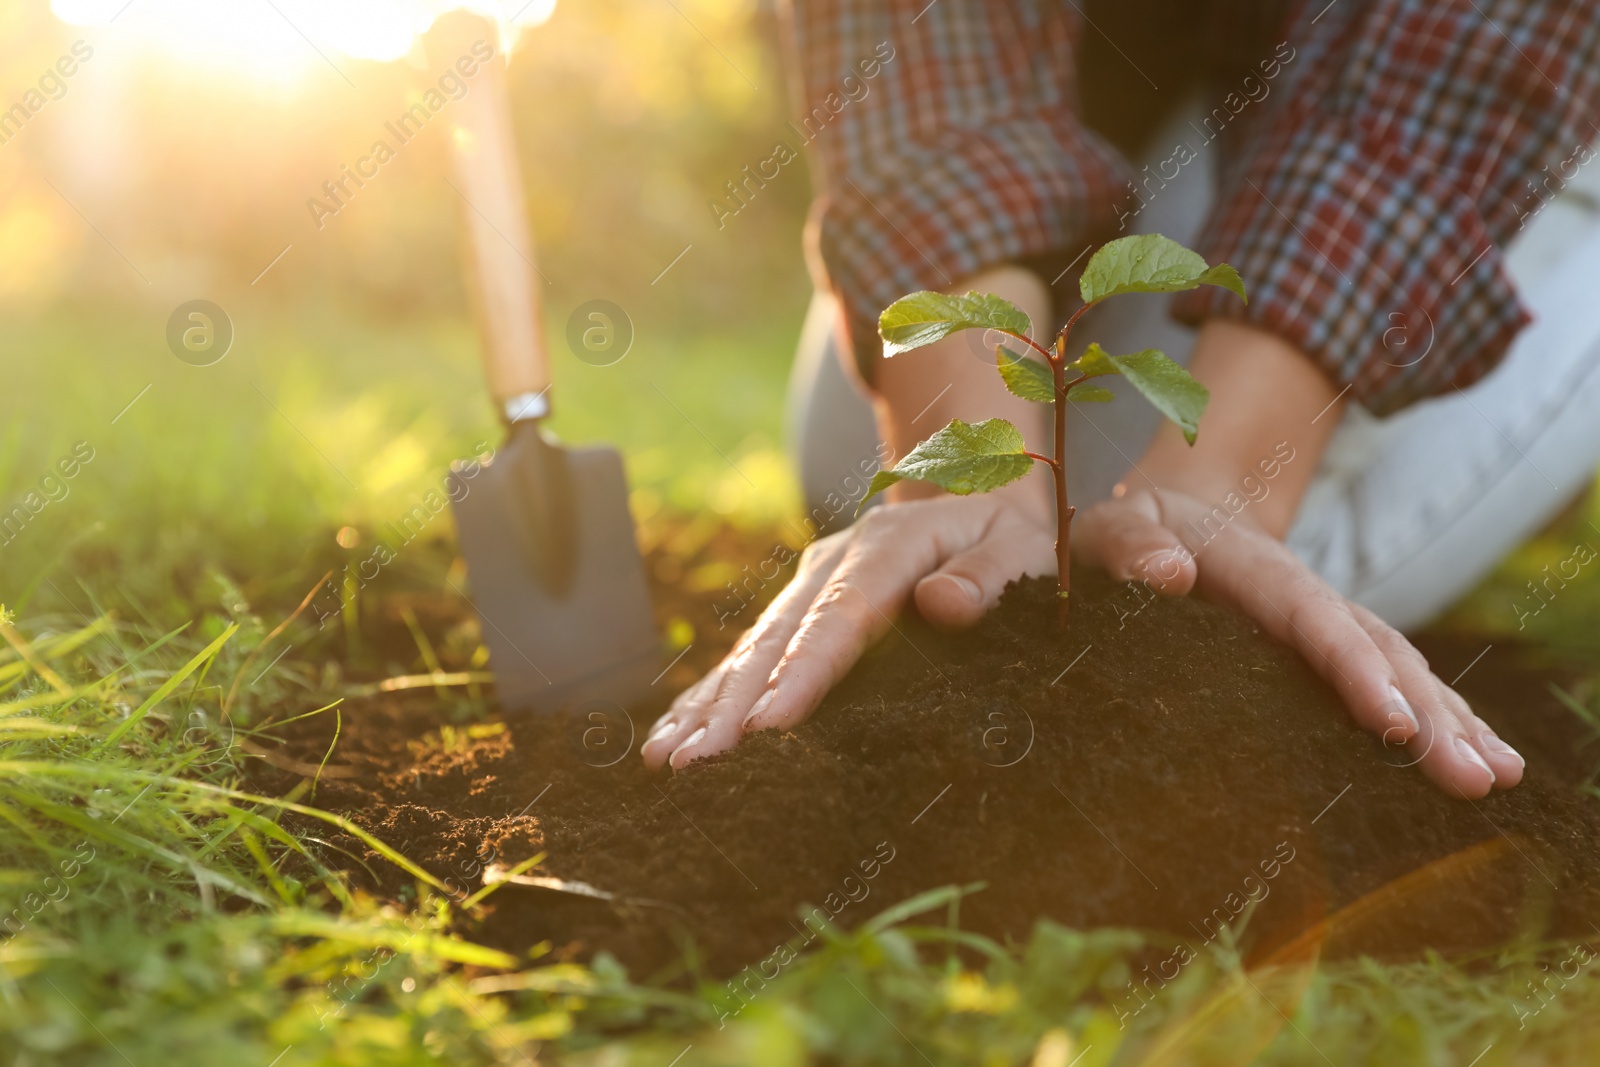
(967, 458)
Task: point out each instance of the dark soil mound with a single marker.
(1157, 763)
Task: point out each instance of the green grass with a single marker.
(323, 422)
(163, 912)
(186, 924)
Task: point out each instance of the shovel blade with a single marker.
(591, 638)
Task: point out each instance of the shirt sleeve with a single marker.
(1368, 210)
(945, 140)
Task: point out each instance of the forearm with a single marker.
(920, 392)
(1268, 402)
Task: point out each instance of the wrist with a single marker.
(919, 392)
(1263, 434)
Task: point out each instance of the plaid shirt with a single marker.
(1367, 201)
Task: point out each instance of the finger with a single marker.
(854, 608)
(1442, 746)
(970, 582)
(1130, 539)
(712, 717)
(1506, 762)
(720, 717)
(1259, 576)
(753, 657)
(680, 718)
(1468, 748)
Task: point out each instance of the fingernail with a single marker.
(1161, 567)
(662, 729)
(1404, 706)
(967, 586)
(693, 739)
(1470, 754)
(1146, 567)
(1492, 742)
(760, 705)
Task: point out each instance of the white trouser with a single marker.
(1405, 514)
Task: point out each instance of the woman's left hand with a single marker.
(1383, 680)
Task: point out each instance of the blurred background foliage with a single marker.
(177, 167)
(178, 162)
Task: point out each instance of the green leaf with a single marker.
(1165, 384)
(1224, 276)
(1027, 378)
(1168, 386)
(1090, 394)
(961, 459)
(1094, 362)
(923, 318)
(1150, 263)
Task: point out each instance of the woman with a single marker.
(1379, 176)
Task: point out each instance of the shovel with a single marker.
(548, 540)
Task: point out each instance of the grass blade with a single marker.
(203, 656)
(927, 901)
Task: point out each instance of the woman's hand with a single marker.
(1267, 396)
(1384, 682)
(953, 554)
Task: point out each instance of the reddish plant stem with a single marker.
(1067, 329)
(1030, 342)
(1058, 470)
(1064, 509)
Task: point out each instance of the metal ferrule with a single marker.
(525, 407)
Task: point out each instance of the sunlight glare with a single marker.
(282, 40)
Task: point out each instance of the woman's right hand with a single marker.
(954, 554)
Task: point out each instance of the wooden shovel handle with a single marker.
(504, 280)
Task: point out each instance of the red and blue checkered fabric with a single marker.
(1366, 202)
